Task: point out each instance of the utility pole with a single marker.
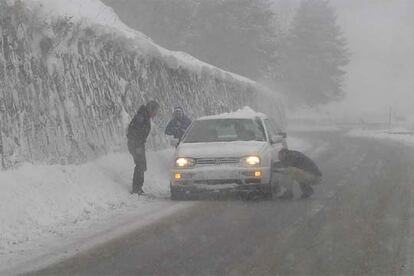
(389, 118)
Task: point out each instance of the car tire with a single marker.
(274, 184)
(177, 195)
(268, 195)
(244, 196)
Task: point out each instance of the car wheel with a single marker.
(268, 195)
(274, 184)
(177, 195)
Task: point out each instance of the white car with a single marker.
(231, 152)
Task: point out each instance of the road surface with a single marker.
(357, 223)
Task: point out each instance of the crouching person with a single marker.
(138, 131)
(300, 169)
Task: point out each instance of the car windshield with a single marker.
(225, 130)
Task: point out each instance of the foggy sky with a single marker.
(381, 40)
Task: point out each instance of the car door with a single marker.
(273, 132)
(274, 148)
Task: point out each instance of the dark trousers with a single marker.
(138, 179)
(305, 180)
(140, 160)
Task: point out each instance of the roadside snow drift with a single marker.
(40, 201)
(400, 135)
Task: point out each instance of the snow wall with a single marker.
(68, 88)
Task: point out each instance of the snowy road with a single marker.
(357, 223)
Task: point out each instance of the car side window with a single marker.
(272, 132)
(261, 127)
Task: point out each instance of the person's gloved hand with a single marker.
(279, 167)
(281, 170)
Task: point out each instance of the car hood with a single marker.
(220, 149)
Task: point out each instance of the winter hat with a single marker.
(178, 109)
(152, 106)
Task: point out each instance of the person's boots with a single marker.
(287, 195)
(140, 191)
(134, 189)
(307, 190)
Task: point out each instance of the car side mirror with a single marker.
(283, 134)
(174, 142)
(276, 139)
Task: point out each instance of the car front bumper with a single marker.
(221, 179)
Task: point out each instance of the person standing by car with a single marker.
(178, 124)
(299, 168)
(138, 131)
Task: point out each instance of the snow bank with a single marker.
(88, 11)
(41, 201)
(400, 135)
(105, 70)
(94, 12)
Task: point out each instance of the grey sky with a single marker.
(381, 39)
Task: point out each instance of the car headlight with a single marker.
(183, 162)
(250, 161)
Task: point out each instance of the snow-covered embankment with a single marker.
(72, 74)
(46, 208)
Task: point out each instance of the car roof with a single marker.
(244, 113)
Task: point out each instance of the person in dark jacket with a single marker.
(178, 124)
(299, 168)
(138, 131)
